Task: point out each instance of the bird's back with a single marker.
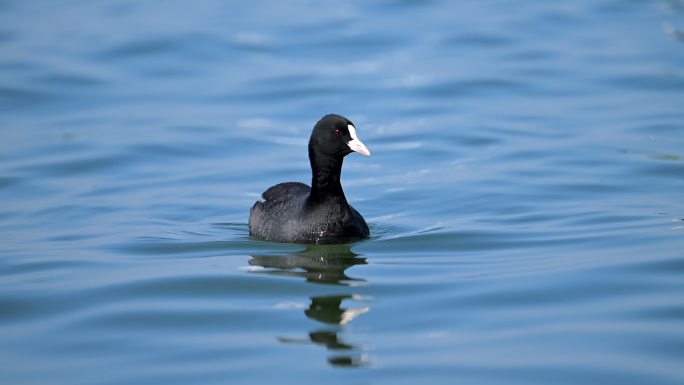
(286, 215)
(272, 217)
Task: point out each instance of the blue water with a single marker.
(525, 193)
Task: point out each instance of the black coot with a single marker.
(295, 212)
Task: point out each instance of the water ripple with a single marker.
(12, 98)
(474, 87)
(182, 46)
(71, 167)
(650, 82)
(479, 40)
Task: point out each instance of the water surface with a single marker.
(524, 193)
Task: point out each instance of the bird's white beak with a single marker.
(356, 144)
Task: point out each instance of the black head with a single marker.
(335, 135)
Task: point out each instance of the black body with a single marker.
(295, 212)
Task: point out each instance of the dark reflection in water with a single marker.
(323, 264)
(317, 263)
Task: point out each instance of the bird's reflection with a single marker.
(323, 264)
(317, 263)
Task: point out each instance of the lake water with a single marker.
(525, 194)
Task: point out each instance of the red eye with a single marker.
(338, 133)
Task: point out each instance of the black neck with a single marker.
(325, 179)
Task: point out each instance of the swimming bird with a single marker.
(295, 212)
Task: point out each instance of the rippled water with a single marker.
(524, 195)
